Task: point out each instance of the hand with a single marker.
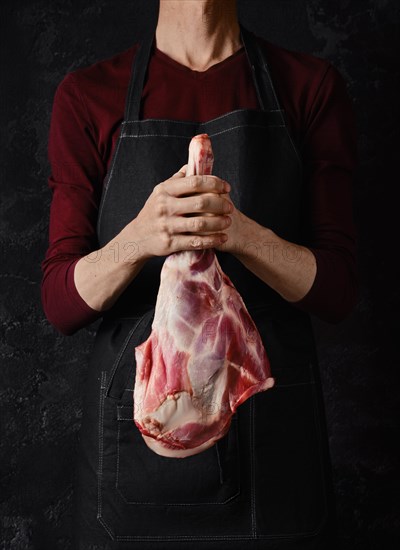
(239, 231)
(183, 213)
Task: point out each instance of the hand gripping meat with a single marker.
(204, 356)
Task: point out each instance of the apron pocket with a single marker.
(144, 477)
(288, 455)
(122, 371)
(140, 475)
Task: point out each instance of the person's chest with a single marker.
(171, 91)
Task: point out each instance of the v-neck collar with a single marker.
(164, 58)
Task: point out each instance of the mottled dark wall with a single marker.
(42, 372)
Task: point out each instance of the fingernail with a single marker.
(227, 186)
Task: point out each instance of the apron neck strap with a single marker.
(261, 76)
(136, 83)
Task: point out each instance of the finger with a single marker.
(196, 242)
(189, 185)
(196, 204)
(201, 224)
(181, 173)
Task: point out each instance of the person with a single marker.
(283, 134)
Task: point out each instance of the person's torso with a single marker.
(174, 91)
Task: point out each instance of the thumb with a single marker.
(181, 172)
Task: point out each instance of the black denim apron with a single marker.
(267, 483)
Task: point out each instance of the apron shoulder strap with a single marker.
(138, 73)
(261, 75)
(267, 96)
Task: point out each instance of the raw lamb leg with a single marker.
(204, 356)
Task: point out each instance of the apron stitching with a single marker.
(118, 439)
(133, 79)
(100, 469)
(257, 87)
(210, 135)
(177, 503)
(252, 465)
(282, 116)
(121, 352)
(103, 199)
(221, 477)
(184, 537)
(273, 89)
(106, 527)
(320, 442)
(202, 123)
(301, 534)
(140, 502)
(216, 537)
(210, 537)
(103, 380)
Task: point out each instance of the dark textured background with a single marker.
(42, 372)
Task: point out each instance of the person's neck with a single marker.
(198, 33)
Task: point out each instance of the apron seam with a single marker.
(317, 422)
(210, 135)
(222, 537)
(252, 472)
(120, 353)
(118, 445)
(107, 185)
(100, 466)
(201, 123)
(266, 71)
(221, 475)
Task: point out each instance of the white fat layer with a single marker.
(159, 448)
(173, 413)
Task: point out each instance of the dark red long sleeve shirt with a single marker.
(88, 109)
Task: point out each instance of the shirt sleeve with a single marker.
(329, 152)
(76, 179)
